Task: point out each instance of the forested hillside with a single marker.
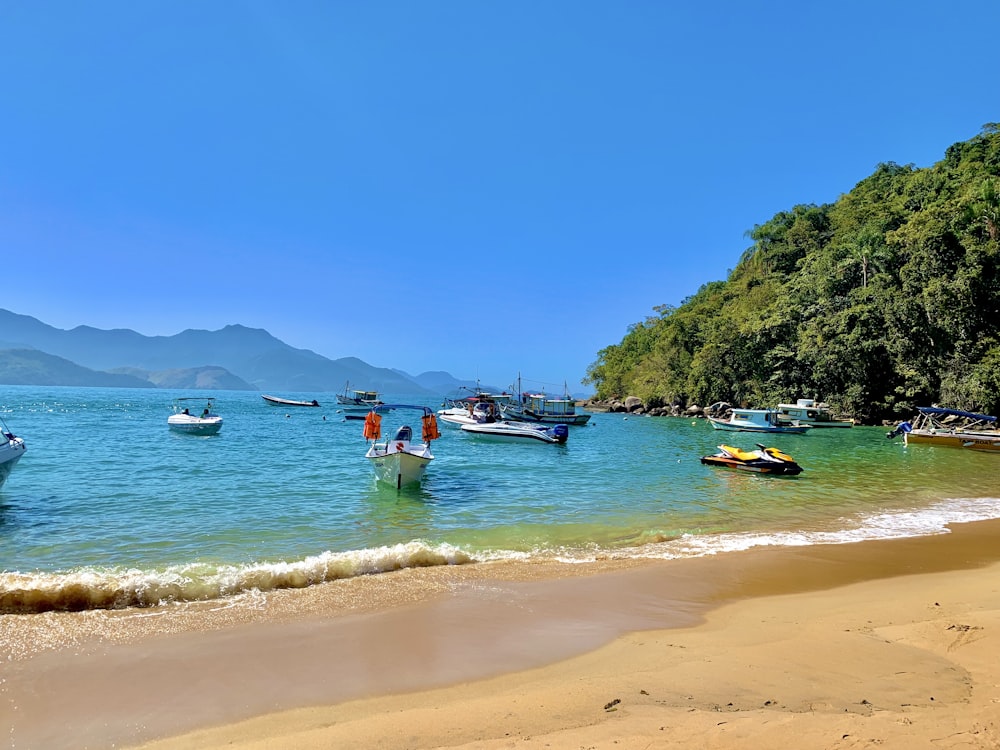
(887, 299)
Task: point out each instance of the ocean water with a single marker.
(109, 508)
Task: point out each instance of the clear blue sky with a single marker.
(481, 188)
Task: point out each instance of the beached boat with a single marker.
(761, 461)
(807, 411)
(11, 449)
(204, 423)
(538, 407)
(400, 460)
(757, 420)
(950, 428)
(355, 404)
(521, 432)
(287, 401)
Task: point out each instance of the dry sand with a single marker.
(881, 644)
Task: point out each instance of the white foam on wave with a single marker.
(117, 588)
(888, 524)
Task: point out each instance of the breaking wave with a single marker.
(116, 588)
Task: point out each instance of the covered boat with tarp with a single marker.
(950, 428)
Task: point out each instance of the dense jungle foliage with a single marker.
(885, 300)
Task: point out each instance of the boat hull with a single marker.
(721, 424)
(399, 468)
(756, 467)
(10, 453)
(518, 432)
(989, 443)
(275, 400)
(194, 425)
(570, 419)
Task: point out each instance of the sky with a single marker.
(481, 188)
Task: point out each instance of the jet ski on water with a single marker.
(762, 461)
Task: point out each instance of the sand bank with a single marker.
(888, 644)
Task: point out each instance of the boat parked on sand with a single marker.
(757, 420)
(950, 428)
(807, 411)
(355, 404)
(400, 460)
(11, 449)
(521, 432)
(761, 461)
(205, 423)
(277, 401)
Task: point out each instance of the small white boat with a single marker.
(757, 420)
(355, 404)
(400, 460)
(481, 406)
(204, 423)
(11, 449)
(472, 412)
(807, 411)
(277, 401)
(521, 432)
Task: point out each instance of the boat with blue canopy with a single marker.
(950, 428)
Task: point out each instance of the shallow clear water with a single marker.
(108, 507)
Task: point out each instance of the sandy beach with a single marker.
(889, 644)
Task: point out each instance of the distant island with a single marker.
(233, 358)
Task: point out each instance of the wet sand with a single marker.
(888, 644)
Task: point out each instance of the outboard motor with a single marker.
(560, 432)
(901, 429)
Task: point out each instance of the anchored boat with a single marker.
(400, 460)
(757, 420)
(950, 428)
(277, 401)
(205, 423)
(521, 432)
(11, 449)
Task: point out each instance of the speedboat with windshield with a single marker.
(191, 420)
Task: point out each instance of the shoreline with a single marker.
(310, 662)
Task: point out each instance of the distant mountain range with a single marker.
(233, 358)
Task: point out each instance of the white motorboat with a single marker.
(11, 449)
(400, 460)
(206, 422)
(481, 406)
(757, 420)
(807, 411)
(355, 404)
(522, 432)
(469, 411)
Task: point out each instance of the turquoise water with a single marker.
(110, 508)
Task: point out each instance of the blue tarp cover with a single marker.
(954, 412)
